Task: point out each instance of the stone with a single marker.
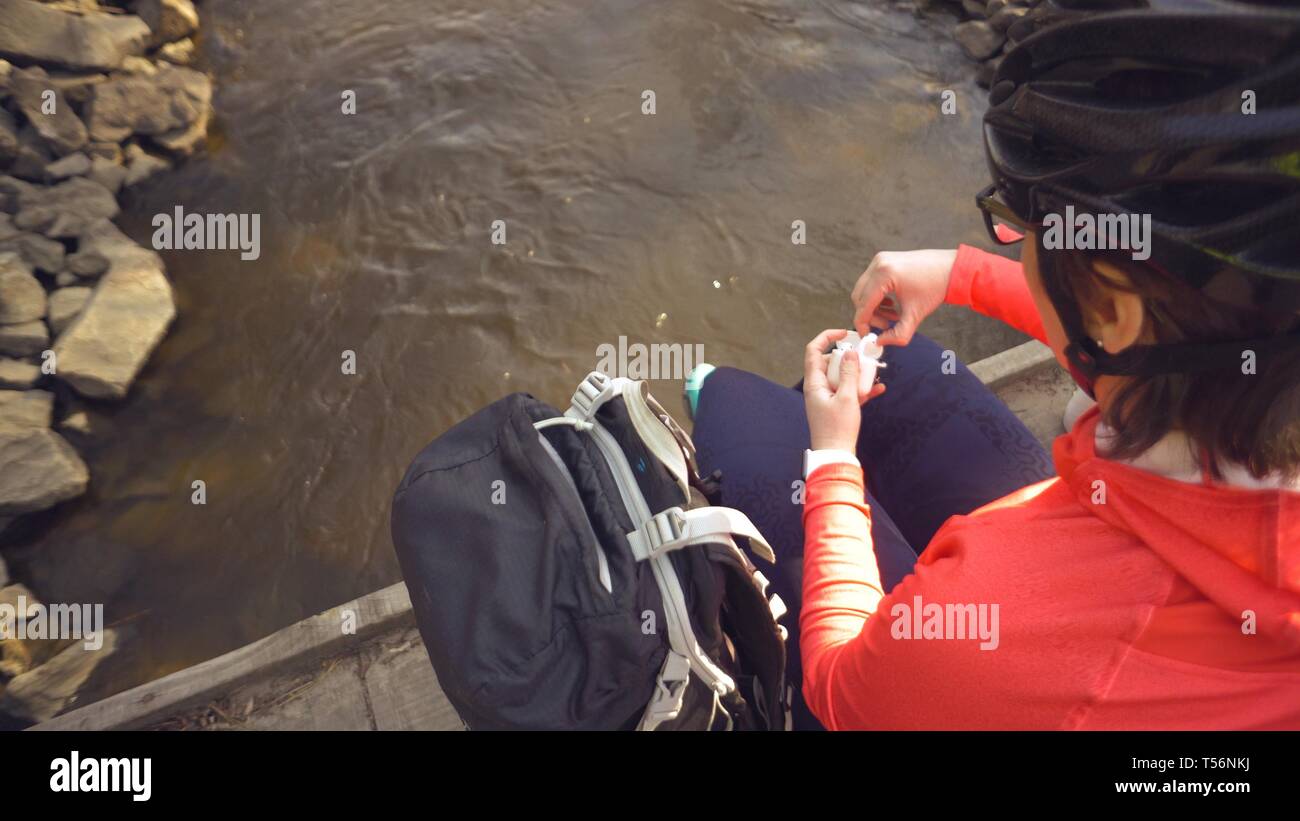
(1006, 17)
(987, 70)
(141, 165)
(8, 230)
(173, 100)
(37, 251)
(61, 128)
(65, 210)
(73, 165)
(77, 422)
(185, 141)
(978, 39)
(75, 85)
(108, 173)
(169, 20)
(65, 304)
(17, 656)
(24, 339)
(8, 137)
(18, 375)
(4, 571)
(32, 157)
(31, 32)
(104, 151)
(992, 7)
(86, 264)
(102, 351)
(51, 688)
(12, 191)
(38, 470)
(23, 411)
(63, 279)
(22, 299)
(975, 9)
(179, 53)
(138, 67)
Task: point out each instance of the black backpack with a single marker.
(567, 571)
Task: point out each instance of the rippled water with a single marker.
(375, 238)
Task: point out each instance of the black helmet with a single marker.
(1140, 107)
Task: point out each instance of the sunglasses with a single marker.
(1002, 224)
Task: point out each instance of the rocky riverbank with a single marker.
(986, 28)
(95, 97)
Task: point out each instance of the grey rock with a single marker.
(73, 165)
(4, 571)
(8, 230)
(51, 688)
(18, 375)
(22, 299)
(65, 210)
(21, 411)
(8, 137)
(179, 53)
(1007, 16)
(103, 350)
(64, 279)
(171, 101)
(992, 7)
(141, 165)
(77, 422)
(104, 151)
(33, 155)
(65, 304)
(978, 39)
(108, 173)
(24, 339)
(38, 468)
(34, 33)
(62, 130)
(87, 264)
(37, 251)
(12, 191)
(975, 8)
(169, 20)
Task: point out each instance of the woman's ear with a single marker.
(1118, 318)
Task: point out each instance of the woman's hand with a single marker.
(833, 416)
(919, 279)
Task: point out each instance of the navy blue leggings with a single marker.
(936, 444)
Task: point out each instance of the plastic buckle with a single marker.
(670, 690)
(594, 391)
(663, 528)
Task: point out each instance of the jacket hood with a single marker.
(1239, 547)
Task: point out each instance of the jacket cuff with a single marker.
(962, 276)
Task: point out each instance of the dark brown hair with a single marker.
(1229, 415)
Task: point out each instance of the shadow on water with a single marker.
(374, 228)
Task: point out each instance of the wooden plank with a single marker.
(283, 652)
(402, 686)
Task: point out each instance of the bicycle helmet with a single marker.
(1141, 107)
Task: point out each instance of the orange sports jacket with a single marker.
(1106, 598)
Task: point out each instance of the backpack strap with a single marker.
(674, 528)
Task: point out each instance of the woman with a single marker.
(1148, 574)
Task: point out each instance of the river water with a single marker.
(375, 232)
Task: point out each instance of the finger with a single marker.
(863, 280)
(815, 360)
(873, 292)
(850, 371)
(901, 332)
